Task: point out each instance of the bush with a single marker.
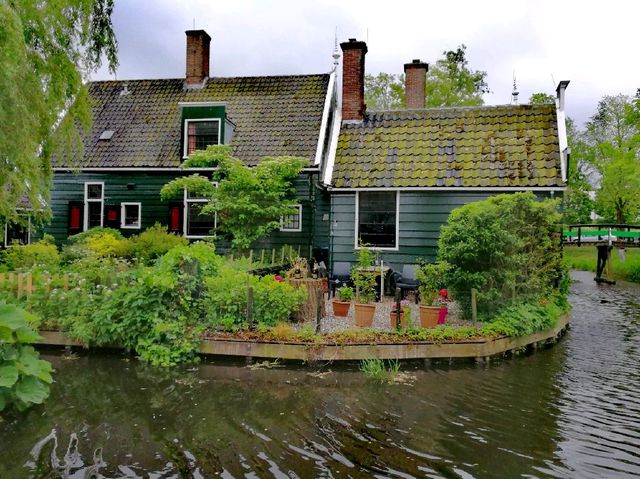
(198, 259)
(432, 278)
(226, 299)
(500, 245)
(154, 242)
(24, 378)
(96, 242)
(42, 253)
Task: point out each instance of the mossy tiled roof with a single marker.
(273, 116)
(488, 146)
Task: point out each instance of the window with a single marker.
(130, 215)
(377, 219)
(17, 233)
(93, 204)
(292, 223)
(198, 134)
(196, 223)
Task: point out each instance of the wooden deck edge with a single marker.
(326, 352)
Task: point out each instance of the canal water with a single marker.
(569, 411)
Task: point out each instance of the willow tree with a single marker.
(48, 51)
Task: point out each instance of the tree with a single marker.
(249, 202)
(48, 50)
(450, 82)
(384, 91)
(541, 99)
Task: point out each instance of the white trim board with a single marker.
(122, 216)
(333, 146)
(187, 104)
(325, 118)
(185, 139)
(144, 169)
(85, 221)
(293, 230)
(450, 188)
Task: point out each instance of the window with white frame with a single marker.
(17, 233)
(93, 204)
(377, 219)
(293, 222)
(200, 133)
(197, 224)
(130, 215)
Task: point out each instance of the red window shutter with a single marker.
(112, 215)
(76, 215)
(174, 219)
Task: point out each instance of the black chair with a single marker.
(407, 281)
(340, 276)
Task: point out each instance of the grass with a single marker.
(375, 369)
(584, 258)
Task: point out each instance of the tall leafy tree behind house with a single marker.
(48, 50)
(450, 82)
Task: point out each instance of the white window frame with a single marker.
(292, 230)
(6, 232)
(185, 140)
(123, 207)
(357, 224)
(87, 200)
(185, 214)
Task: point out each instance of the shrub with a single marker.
(96, 242)
(198, 258)
(154, 242)
(345, 293)
(432, 278)
(42, 253)
(365, 281)
(226, 299)
(24, 378)
(500, 245)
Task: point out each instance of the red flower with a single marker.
(278, 278)
(444, 293)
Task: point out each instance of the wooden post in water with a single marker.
(474, 305)
(250, 308)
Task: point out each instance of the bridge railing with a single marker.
(613, 234)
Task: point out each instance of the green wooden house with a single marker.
(143, 130)
(394, 176)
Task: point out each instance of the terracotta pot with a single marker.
(429, 316)
(394, 320)
(340, 308)
(364, 314)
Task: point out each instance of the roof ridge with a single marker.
(301, 75)
(458, 107)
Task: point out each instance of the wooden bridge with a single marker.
(604, 237)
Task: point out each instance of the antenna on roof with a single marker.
(515, 92)
(336, 53)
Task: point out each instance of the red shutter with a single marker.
(112, 216)
(76, 210)
(175, 218)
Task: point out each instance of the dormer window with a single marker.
(201, 133)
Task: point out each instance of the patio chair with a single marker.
(340, 276)
(407, 281)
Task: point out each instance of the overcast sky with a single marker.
(593, 44)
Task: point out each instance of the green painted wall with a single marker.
(421, 215)
(146, 190)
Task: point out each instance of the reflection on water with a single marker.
(570, 411)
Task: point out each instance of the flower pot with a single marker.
(340, 308)
(364, 314)
(394, 319)
(429, 316)
(442, 314)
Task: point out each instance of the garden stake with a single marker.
(273, 256)
(262, 258)
(474, 308)
(19, 285)
(250, 308)
(319, 299)
(47, 282)
(398, 295)
(29, 283)
(251, 256)
(282, 256)
(11, 277)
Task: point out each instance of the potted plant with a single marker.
(405, 314)
(431, 277)
(342, 303)
(364, 279)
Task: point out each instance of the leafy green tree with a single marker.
(384, 91)
(450, 82)
(541, 99)
(618, 197)
(577, 201)
(48, 50)
(249, 201)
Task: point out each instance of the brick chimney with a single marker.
(353, 53)
(414, 81)
(197, 57)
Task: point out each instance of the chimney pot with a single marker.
(198, 42)
(353, 53)
(414, 82)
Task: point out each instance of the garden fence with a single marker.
(26, 284)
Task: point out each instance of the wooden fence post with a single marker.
(319, 301)
(2, 280)
(251, 256)
(46, 277)
(262, 258)
(65, 282)
(273, 256)
(29, 285)
(250, 307)
(282, 256)
(11, 281)
(298, 251)
(474, 305)
(19, 285)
